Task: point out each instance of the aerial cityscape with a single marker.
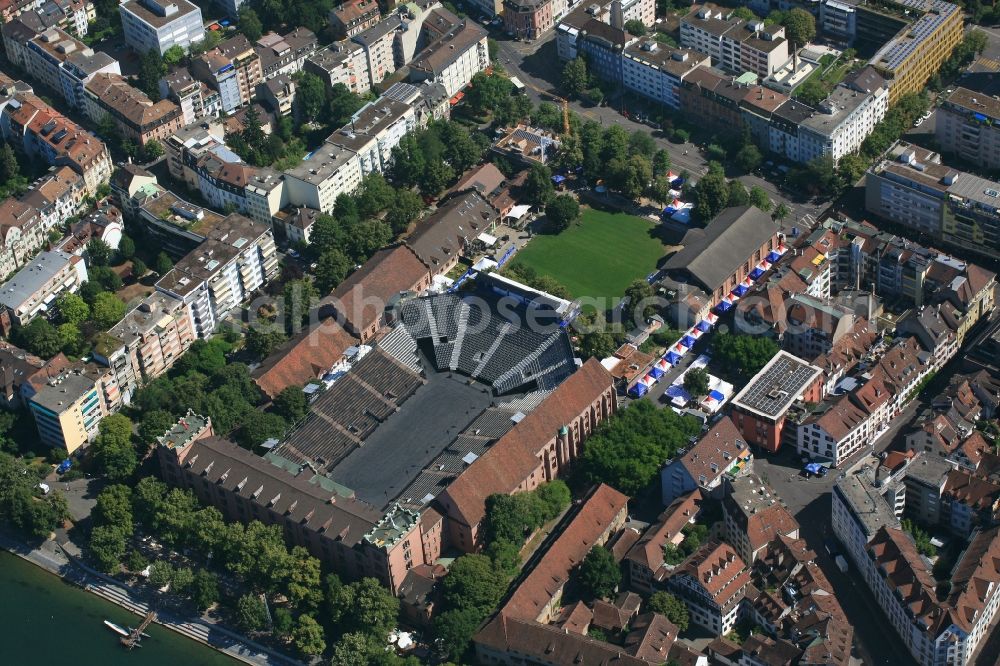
(500, 332)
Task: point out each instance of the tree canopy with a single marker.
(599, 575)
(628, 451)
(742, 356)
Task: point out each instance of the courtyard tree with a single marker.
(599, 575)
(669, 606)
(696, 382)
(800, 27)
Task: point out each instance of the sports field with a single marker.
(599, 256)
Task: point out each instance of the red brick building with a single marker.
(759, 410)
(538, 449)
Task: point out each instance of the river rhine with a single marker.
(45, 621)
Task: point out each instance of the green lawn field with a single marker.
(599, 256)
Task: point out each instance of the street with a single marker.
(537, 64)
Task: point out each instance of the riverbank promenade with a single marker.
(64, 561)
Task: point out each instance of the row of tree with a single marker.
(255, 556)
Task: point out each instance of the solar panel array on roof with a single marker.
(777, 385)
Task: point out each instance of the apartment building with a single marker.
(195, 99)
(913, 188)
(127, 182)
(35, 286)
(645, 563)
(736, 45)
(837, 126)
(69, 406)
(65, 64)
(236, 259)
(233, 69)
(530, 19)
(145, 343)
(720, 452)
(657, 71)
(21, 225)
(754, 516)
(354, 17)
(317, 181)
(374, 130)
(297, 223)
(285, 54)
(967, 124)
(278, 94)
(57, 196)
(44, 134)
(17, 31)
(133, 112)
(761, 408)
(345, 63)
(814, 325)
(257, 192)
(160, 24)
(936, 632)
(712, 583)
(377, 44)
(849, 422)
(916, 52)
(453, 59)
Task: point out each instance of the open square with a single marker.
(599, 256)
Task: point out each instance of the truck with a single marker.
(841, 563)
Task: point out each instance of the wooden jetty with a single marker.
(135, 635)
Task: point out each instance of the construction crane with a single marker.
(563, 103)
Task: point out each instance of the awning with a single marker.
(672, 358)
(711, 318)
(517, 212)
(662, 364)
(740, 290)
(694, 333)
(558, 179)
(773, 256)
(716, 395)
(484, 264)
(683, 216)
(680, 348)
(756, 273)
(639, 390)
(704, 326)
(656, 372)
(723, 306)
(489, 239)
(649, 379)
(687, 341)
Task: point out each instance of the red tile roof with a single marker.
(648, 552)
(566, 553)
(512, 459)
(388, 272)
(718, 569)
(303, 358)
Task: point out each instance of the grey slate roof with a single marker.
(712, 254)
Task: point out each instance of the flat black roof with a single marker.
(401, 447)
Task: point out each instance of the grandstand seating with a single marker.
(349, 411)
(473, 338)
